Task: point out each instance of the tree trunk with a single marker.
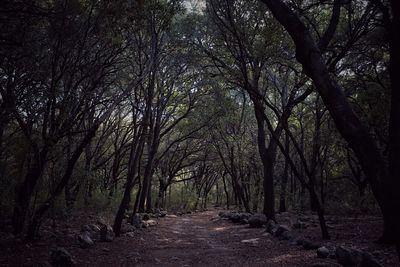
(135, 156)
(284, 180)
(267, 159)
(148, 200)
(225, 190)
(26, 189)
(346, 121)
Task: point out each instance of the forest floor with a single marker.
(199, 239)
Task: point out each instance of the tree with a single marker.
(347, 122)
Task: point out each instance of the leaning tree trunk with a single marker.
(346, 121)
(135, 156)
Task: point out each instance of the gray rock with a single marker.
(287, 235)
(322, 252)
(257, 220)
(84, 240)
(271, 227)
(162, 213)
(235, 217)
(130, 234)
(148, 223)
(94, 228)
(281, 229)
(348, 256)
(152, 222)
(60, 257)
(106, 233)
(127, 228)
(308, 244)
(244, 217)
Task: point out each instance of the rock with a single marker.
(225, 214)
(60, 257)
(368, 260)
(348, 256)
(148, 223)
(162, 214)
(105, 249)
(252, 241)
(127, 228)
(106, 233)
(101, 222)
(244, 217)
(137, 221)
(271, 226)
(84, 240)
(322, 252)
(307, 244)
(281, 229)
(130, 234)
(152, 222)
(257, 220)
(287, 235)
(92, 230)
(234, 217)
(145, 217)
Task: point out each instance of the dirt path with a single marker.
(203, 239)
(198, 239)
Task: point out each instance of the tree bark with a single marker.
(26, 189)
(267, 159)
(135, 156)
(282, 196)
